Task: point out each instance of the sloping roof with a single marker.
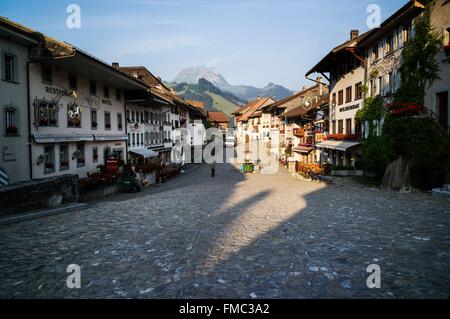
(194, 103)
(302, 110)
(329, 60)
(294, 101)
(218, 117)
(253, 107)
(408, 11)
(241, 110)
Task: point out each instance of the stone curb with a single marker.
(41, 213)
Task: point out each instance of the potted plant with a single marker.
(64, 164)
(49, 166)
(11, 130)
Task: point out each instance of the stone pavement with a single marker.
(235, 236)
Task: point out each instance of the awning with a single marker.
(50, 138)
(110, 137)
(337, 145)
(303, 149)
(144, 152)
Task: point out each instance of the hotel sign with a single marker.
(349, 108)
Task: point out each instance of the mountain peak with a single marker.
(192, 75)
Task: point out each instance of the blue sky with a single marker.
(250, 42)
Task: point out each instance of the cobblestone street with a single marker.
(235, 236)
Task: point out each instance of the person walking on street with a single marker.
(213, 169)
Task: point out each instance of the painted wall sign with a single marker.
(349, 108)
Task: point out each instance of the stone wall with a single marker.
(39, 194)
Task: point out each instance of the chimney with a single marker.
(354, 34)
(319, 81)
(115, 65)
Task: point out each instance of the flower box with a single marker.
(49, 166)
(11, 130)
(401, 109)
(344, 137)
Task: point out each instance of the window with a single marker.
(47, 75)
(94, 123)
(134, 139)
(92, 88)
(142, 139)
(107, 153)
(390, 83)
(341, 97)
(119, 122)
(9, 67)
(348, 94)
(107, 120)
(94, 154)
(129, 139)
(137, 139)
(348, 126)
(146, 116)
(389, 44)
(10, 121)
(358, 91)
(146, 138)
(447, 36)
(64, 157)
(340, 126)
(375, 54)
(380, 85)
(132, 116)
(73, 83)
(49, 159)
(105, 91)
(81, 161)
(406, 32)
(333, 99)
(118, 95)
(357, 127)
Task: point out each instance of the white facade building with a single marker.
(78, 115)
(14, 128)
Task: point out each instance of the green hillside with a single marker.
(221, 104)
(214, 98)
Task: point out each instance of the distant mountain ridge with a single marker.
(214, 98)
(244, 92)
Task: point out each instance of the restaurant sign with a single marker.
(349, 108)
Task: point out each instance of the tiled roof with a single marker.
(218, 117)
(199, 104)
(253, 107)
